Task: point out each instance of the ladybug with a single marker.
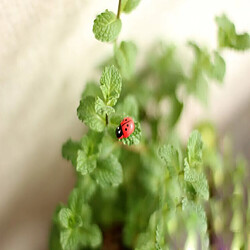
(126, 128)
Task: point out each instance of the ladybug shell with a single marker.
(127, 126)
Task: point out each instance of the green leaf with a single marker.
(202, 56)
(90, 142)
(75, 200)
(145, 242)
(125, 56)
(243, 41)
(107, 146)
(197, 83)
(69, 151)
(81, 210)
(237, 223)
(65, 215)
(227, 36)
(91, 236)
(86, 113)
(176, 110)
(101, 108)
(91, 89)
(69, 239)
(86, 158)
(85, 164)
(129, 5)
(218, 68)
(107, 27)
(171, 157)
(135, 137)
(205, 66)
(198, 180)
(108, 172)
(129, 107)
(194, 148)
(111, 85)
(86, 185)
(196, 214)
(69, 219)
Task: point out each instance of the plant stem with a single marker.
(107, 120)
(119, 9)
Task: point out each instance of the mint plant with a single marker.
(151, 190)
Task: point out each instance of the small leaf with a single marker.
(69, 151)
(86, 113)
(237, 222)
(107, 27)
(129, 5)
(79, 208)
(227, 36)
(243, 41)
(170, 155)
(125, 56)
(218, 68)
(101, 108)
(69, 239)
(86, 158)
(135, 137)
(85, 164)
(111, 85)
(197, 211)
(107, 146)
(198, 180)
(176, 110)
(145, 242)
(75, 200)
(87, 186)
(197, 83)
(90, 142)
(91, 236)
(205, 66)
(108, 172)
(65, 215)
(194, 148)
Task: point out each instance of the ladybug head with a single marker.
(118, 132)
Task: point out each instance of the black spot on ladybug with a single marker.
(127, 125)
(125, 119)
(125, 129)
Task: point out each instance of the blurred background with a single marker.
(48, 52)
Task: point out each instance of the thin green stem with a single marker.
(119, 9)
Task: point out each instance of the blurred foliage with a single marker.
(151, 190)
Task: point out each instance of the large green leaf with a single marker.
(111, 85)
(86, 113)
(107, 27)
(108, 172)
(125, 56)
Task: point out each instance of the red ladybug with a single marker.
(126, 128)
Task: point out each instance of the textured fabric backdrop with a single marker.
(47, 52)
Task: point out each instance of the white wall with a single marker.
(47, 53)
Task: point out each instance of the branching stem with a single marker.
(119, 9)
